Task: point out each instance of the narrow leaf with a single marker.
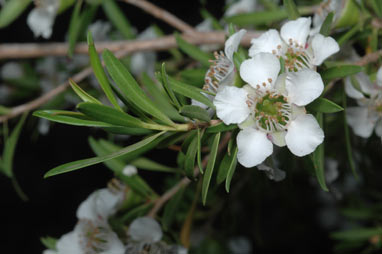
(324, 106)
(147, 164)
(71, 166)
(167, 87)
(220, 127)
(226, 164)
(326, 26)
(193, 51)
(82, 94)
(190, 92)
(189, 163)
(74, 27)
(210, 167)
(49, 242)
(100, 73)
(199, 152)
(118, 18)
(340, 72)
(231, 169)
(356, 234)
(130, 87)
(291, 9)
(10, 147)
(11, 10)
(195, 112)
(318, 159)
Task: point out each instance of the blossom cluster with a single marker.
(281, 79)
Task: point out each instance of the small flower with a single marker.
(129, 170)
(40, 20)
(293, 45)
(241, 6)
(368, 115)
(271, 111)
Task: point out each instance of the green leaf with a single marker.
(82, 94)
(291, 9)
(318, 157)
(118, 18)
(220, 127)
(127, 130)
(345, 37)
(10, 147)
(190, 92)
(161, 99)
(71, 166)
(229, 161)
(349, 151)
(340, 72)
(231, 169)
(168, 88)
(109, 115)
(326, 26)
(193, 51)
(100, 73)
(49, 242)
(171, 209)
(147, 164)
(11, 10)
(130, 87)
(195, 77)
(195, 112)
(356, 234)
(189, 163)
(199, 152)
(324, 106)
(74, 27)
(210, 167)
(69, 117)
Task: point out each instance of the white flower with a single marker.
(99, 205)
(129, 170)
(241, 6)
(368, 115)
(270, 111)
(222, 71)
(293, 45)
(40, 20)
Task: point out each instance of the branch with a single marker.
(369, 58)
(185, 181)
(30, 50)
(161, 14)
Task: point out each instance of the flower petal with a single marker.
(145, 229)
(351, 91)
(323, 47)
(379, 77)
(296, 30)
(304, 135)
(268, 42)
(254, 147)
(69, 243)
(114, 245)
(231, 106)
(262, 69)
(365, 84)
(378, 128)
(99, 205)
(40, 21)
(278, 138)
(233, 43)
(303, 86)
(361, 121)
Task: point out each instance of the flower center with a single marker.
(93, 237)
(376, 103)
(272, 112)
(219, 70)
(296, 58)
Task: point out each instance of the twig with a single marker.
(161, 14)
(185, 181)
(369, 58)
(30, 50)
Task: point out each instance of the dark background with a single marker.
(53, 202)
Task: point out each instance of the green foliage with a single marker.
(210, 167)
(291, 9)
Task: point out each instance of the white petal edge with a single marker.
(278, 138)
(254, 147)
(379, 77)
(297, 30)
(351, 91)
(304, 135)
(99, 205)
(361, 122)
(303, 86)
(266, 43)
(323, 47)
(233, 43)
(69, 243)
(262, 69)
(145, 229)
(231, 106)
